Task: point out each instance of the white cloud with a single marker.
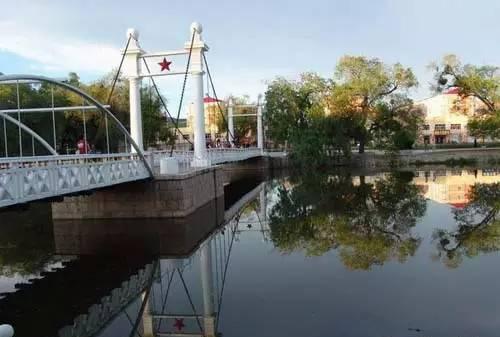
(55, 51)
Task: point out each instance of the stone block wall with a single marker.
(163, 197)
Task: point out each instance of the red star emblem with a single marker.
(179, 324)
(165, 65)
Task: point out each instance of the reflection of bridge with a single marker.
(44, 173)
(100, 292)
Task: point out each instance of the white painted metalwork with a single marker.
(22, 126)
(54, 109)
(215, 156)
(33, 178)
(85, 96)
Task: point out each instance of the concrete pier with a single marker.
(166, 196)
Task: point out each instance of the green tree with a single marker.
(296, 112)
(478, 227)
(368, 223)
(364, 87)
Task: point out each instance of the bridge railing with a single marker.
(215, 156)
(44, 161)
(27, 179)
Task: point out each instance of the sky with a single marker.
(251, 42)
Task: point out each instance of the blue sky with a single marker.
(251, 42)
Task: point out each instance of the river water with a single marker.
(389, 254)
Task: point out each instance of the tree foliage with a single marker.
(368, 89)
(366, 100)
(368, 223)
(478, 227)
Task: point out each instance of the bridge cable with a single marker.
(190, 299)
(117, 75)
(19, 119)
(219, 305)
(229, 133)
(5, 137)
(183, 87)
(164, 305)
(53, 117)
(110, 95)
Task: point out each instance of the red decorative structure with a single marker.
(179, 324)
(165, 65)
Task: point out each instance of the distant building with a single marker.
(213, 115)
(446, 117)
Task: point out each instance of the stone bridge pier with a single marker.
(165, 196)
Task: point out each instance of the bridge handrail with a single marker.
(41, 161)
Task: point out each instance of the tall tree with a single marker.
(368, 223)
(364, 87)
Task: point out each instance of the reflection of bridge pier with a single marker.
(207, 286)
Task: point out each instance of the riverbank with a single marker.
(418, 158)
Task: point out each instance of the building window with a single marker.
(427, 127)
(440, 127)
(455, 126)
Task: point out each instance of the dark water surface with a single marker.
(383, 255)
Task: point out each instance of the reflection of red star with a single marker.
(165, 65)
(179, 323)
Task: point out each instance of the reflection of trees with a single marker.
(369, 223)
(478, 227)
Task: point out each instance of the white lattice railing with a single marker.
(215, 156)
(32, 178)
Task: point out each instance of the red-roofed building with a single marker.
(213, 108)
(446, 117)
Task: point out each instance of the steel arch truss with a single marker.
(102, 108)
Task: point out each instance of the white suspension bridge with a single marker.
(43, 172)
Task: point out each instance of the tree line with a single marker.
(367, 102)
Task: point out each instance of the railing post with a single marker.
(230, 121)
(133, 70)
(260, 129)
(6, 330)
(199, 47)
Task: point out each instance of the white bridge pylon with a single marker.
(134, 71)
(230, 120)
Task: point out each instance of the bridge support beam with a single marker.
(230, 121)
(132, 72)
(199, 47)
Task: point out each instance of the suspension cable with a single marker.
(183, 88)
(219, 305)
(190, 299)
(229, 133)
(117, 75)
(19, 119)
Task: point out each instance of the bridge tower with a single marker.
(134, 72)
(199, 47)
(133, 61)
